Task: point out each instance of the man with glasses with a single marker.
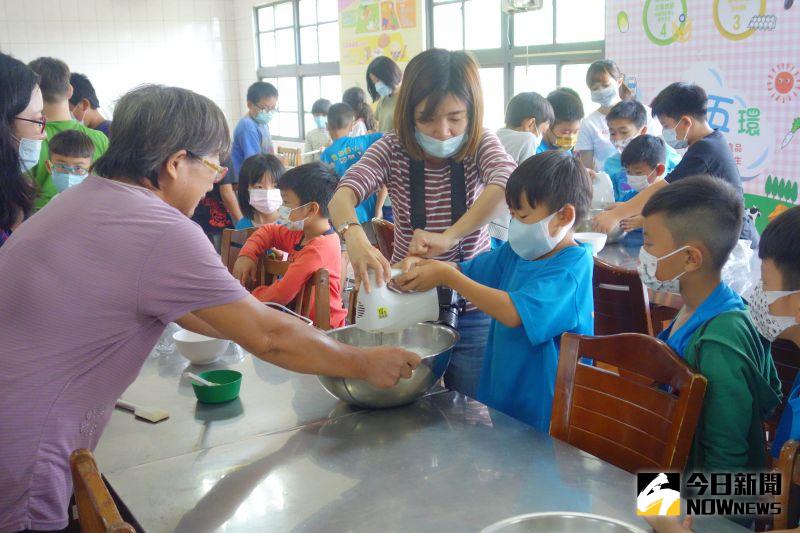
(54, 80)
(251, 136)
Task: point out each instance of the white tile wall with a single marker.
(120, 44)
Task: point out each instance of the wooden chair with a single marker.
(384, 234)
(97, 512)
(620, 301)
(786, 356)
(292, 156)
(622, 420)
(317, 288)
(789, 498)
(231, 244)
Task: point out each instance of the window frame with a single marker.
(298, 71)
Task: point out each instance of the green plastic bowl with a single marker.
(230, 381)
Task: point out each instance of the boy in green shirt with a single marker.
(56, 91)
(690, 229)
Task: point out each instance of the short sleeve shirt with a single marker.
(594, 135)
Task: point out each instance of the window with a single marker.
(298, 49)
(531, 51)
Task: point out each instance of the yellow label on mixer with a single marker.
(383, 312)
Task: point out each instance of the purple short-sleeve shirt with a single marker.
(87, 285)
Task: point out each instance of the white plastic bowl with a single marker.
(199, 349)
(596, 240)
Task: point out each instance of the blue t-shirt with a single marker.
(789, 425)
(613, 167)
(344, 153)
(244, 223)
(552, 296)
(249, 138)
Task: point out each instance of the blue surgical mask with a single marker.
(606, 97)
(321, 121)
(264, 117)
(29, 150)
(382, 89)
(532, 241)
(671, 138)
(437, 148)
(65, 180)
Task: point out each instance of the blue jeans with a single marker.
(465, 366)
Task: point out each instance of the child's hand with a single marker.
(632, 223)
(408, 263)
(605, 221)
(244, 269)
(423, 275)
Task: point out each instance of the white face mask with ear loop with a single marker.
(648, 266)
(770, 326)
(532, 241)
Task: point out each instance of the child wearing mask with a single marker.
(627, 120)
(568, 113)
(536, 287)
(302, 230)
(70, 158)
(251, 135)
(690, 229)
(318, 138)
(259, 196)
(528, 116)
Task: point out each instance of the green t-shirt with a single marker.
(743, 390)
(41, 176)
(384, 112)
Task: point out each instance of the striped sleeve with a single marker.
(494, 163)
(370, 172)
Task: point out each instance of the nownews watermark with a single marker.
(708, 493)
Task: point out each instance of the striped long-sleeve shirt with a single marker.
(387, 163)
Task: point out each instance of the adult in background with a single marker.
(383, 85)
(88, 285)
(21, 135)
(446, 177)
(83, 104)
(56, 90)
(251, 135)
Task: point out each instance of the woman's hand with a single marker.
(632, 223)
(424, 275)
(244, 269)
(429, 244)
(385, 365)
(365, 257)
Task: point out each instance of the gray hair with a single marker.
(152, 122)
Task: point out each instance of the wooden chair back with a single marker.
(617, 416)
(316, 293)
(97, 512)
(292, 156)
(620, 301)
(231, 244)
(786, 356)
(384, 234)
(789, 498)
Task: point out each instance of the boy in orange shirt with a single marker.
(304, 232)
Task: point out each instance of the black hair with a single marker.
(321, 107)
(701, 208)
(647, 149)
(312, 182)
(251, 172)
(82, 88)
(340, 116)
(17, 82)
(630, 110)
(553, 178)
(53, 78)
(600, 67)
(260, 90)
(386, 71)
(526, 105)
(357, 100)
(780, 242)
(71, 143)
(567, 106)
(680, 99)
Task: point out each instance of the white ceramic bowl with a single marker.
(199, 349)
(596, 240)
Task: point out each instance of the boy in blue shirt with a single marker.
(627, 120)
(568, 113)
(251, 135)
(644, 163)
(345, 151)
(536, 286)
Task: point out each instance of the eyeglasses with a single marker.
(42, 122)
(78, 171)
(220, 172)
(266, 108)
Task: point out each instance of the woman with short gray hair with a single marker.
(88, 285)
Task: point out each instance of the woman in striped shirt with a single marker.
(446, 178)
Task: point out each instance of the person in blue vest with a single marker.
(251, 135)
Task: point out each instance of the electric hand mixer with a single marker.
(387, 310)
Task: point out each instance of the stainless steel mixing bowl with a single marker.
(562, 522)
(615, 235)
(433, 342)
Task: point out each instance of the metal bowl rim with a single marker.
(519, 518)
(454, 332)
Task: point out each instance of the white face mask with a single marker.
(648, 265)
(283, 218)
(532, 241)
(671, 138)
(440, 149)
(606, 97)
(621, 144)
(29, 150)
(265, 201)
(769, 325)
(639, 183)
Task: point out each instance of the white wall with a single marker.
(120, 44)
